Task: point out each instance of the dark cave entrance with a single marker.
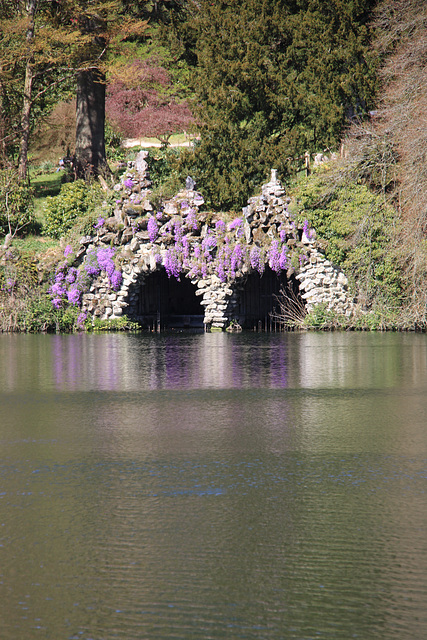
(259, 299)
(167, 303)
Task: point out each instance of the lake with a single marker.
(213, 486)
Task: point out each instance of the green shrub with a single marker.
(358, 230)
(115, 324)
(167, 180)
(39, 315)
(16, 204)
(76, 200)
(323, 318)
(113, 140)
(47, 165)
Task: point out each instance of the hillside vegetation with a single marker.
(266, 83)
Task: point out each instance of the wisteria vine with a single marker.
(221, 249)
(71, 282)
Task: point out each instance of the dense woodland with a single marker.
(255, 85)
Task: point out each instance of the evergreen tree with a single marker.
(271, 80)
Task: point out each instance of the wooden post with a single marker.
(307, 163)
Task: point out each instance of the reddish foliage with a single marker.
(140, 104)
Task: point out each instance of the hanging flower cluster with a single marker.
(71, 282)
(219, 249)
(222, 250)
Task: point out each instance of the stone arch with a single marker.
(157, 302)
(258, 298)
(211, 292)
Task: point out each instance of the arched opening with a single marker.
(259, 299)
(166, 303)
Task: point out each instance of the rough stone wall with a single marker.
(264, 221)
(323, 283)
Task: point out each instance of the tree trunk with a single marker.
(3, 147)
(25, 124)
(31, 9)
(90, 121)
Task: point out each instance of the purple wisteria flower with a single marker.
(209, 243)
(220, 226)
(116, 280)
(186, 247)
(235, 224)
(255, 258)
(274, 256)
(194, 271)
(221, 271)
(236, 260)
(71, 282)
(172, 263)
(306, 230)
(284, 261)
(105, 260)
(59, 276)
(224, 261)
(73, 295)
(191, 220)
(81, 318)
(178, 231)
(152, 228)
(91, 265)
(58, 290)
(282, 233)
(71, 275)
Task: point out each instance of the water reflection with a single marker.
(131, 363)
(213, 486)
(217, 361)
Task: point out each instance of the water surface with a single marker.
(213, 486)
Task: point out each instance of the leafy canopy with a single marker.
(271, 80)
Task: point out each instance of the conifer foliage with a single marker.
(271, 81)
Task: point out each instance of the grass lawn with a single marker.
(32, 245)
(39, 209)
(47, 183)
(175, 139)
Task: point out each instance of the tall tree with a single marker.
(30, 9)
(272, 80)
(36, 56)
(401, 124)
(49, 41)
